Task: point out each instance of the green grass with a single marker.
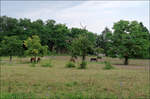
(33, 64)
(128, 82)
(46, 63)
(17, 96)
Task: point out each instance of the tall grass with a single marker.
(33, 64)
(46, 63)
(17, 96)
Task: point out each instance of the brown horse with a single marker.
(38, 60)
(72, 60)
(33, 59)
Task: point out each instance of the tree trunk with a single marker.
(10, 59)
(83, 58)
(126, 61)
(35, 59)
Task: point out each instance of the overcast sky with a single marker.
(96, 15)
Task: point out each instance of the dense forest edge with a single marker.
(127, 39)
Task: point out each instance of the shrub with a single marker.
(99, 57)
(70, 65)
(46, 64)
(108, 65)
(83, 65)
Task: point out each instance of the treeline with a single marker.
(56, 36)
(128, 39)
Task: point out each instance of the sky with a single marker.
(95, 15)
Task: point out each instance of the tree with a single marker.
(60, 37)
(25, 28)
(104, 41)
(129, 40)
(8, 27)
(81, 46)
(11, 46)
(34, 47)
(99, 51)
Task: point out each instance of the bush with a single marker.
(46, 64)
(83, 65)
(108, 65)
(70, 65)
(99, 57)
(33, 64)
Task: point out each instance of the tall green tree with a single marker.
(34, 47)
(59, 37)
(11, 46)
(129, 40)
(81, 46)
(104, 40)
(25, 29)
(8, 27)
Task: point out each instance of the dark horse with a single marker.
(38, 60)
(33, 59)
(93, 59)
(72, 60)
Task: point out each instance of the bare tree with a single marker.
(83, 27)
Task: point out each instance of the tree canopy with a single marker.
(11, 46)
(130, 40)
(34, 47)
(127, 39)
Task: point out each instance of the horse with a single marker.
(93, 59)
(33, 59)
(38, 60)
(72, 60)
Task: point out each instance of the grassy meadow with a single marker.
(50, 79)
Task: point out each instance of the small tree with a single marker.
(81, 46)
(11, 46)
(34, 47)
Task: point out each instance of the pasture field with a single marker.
(22, 80)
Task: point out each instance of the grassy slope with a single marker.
(128, 82)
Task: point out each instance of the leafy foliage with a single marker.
(108, 65)
(83, 65)
(11, 46)
(129, 40)
(126, 40)
(81, 46)
(104, 41)
(99, 51)
(70, 65)
(34, 46)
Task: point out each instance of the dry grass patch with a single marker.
(92, 83)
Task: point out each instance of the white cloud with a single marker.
(95, 14)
